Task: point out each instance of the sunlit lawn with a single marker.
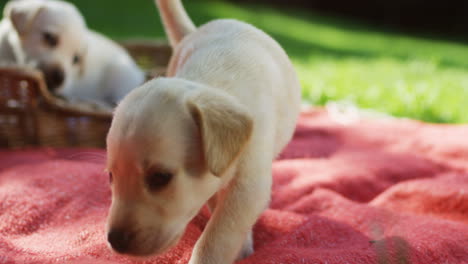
(336, 59)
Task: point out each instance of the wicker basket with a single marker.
(30, 116)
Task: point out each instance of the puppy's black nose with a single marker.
(54, 76)
(119, 240)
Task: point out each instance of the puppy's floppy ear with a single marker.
(22, 13)
(225, 127)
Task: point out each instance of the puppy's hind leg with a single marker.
(247, 249)
(212, 202)
(227, 236)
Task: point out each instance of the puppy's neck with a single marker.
(10, 46)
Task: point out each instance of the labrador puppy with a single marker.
(77, 63)
(206, 134)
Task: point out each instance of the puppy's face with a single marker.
(158, 167)
(52, 36)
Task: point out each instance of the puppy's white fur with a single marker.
(105, 72)
(227, 108)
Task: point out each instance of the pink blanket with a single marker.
(376, 191)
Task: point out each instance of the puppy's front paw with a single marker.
(247, 248)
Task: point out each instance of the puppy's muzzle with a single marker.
(54, 76)
(120, 240)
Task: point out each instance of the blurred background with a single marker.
(407, 58)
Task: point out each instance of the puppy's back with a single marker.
(247, 63)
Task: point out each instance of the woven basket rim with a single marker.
(83, 108)
(52, 101)
(144, 41)
(34, 116)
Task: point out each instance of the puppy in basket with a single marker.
(207, 133)
(77, 63)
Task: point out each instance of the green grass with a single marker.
(336, 59)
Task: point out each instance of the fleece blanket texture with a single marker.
(380, 191)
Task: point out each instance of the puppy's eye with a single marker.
(110, 177)
(158, 180)
(76, 59)
(50, 39)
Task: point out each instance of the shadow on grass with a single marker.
(304, 34)
(302, 51)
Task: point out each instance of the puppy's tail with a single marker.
(175, 19)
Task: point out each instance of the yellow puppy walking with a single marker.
(207, 133)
